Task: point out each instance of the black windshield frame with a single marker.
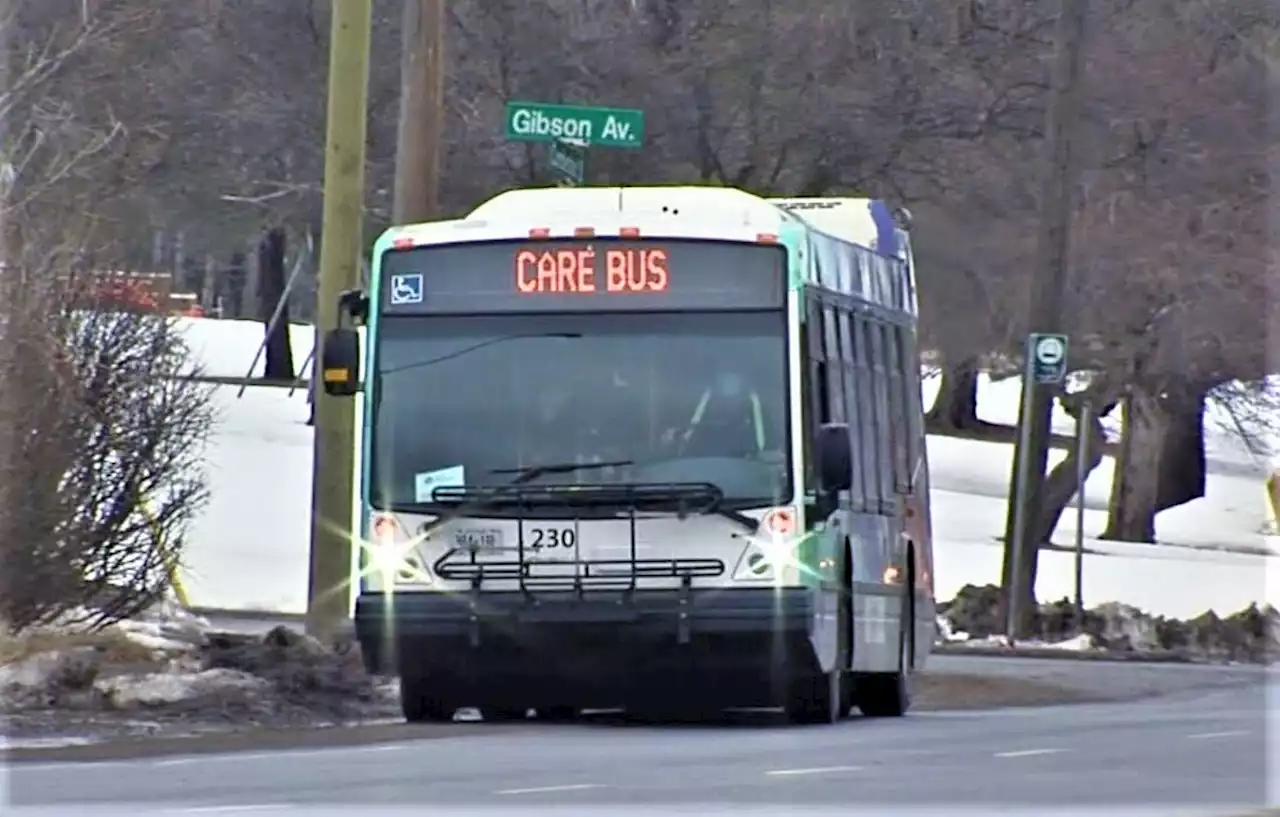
(700, 331)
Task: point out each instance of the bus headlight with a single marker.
(392, 557)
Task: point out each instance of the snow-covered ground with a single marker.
(249, 549)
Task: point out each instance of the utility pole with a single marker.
(1057, 206)
(328, 591)
(417, 182)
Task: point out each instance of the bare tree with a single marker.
(100, 434)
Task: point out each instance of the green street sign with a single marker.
(569, 161)
(1048, 358)
(598, 127)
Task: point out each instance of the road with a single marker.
(1198, 752)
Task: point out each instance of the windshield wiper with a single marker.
(752, 525)
(532, 472)
(475, 347)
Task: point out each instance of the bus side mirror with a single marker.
(834, 454)
(340, 362)
(354, 303)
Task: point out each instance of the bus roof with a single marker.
(668, 211)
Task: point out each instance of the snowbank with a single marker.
(971, 620)
(208, 673)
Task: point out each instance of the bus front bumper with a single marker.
(745, 627)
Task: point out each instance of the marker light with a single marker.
(779, 522)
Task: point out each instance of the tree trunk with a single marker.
(956, 406)
(1136, 487)
(1059, 486)
(271, 270)
(1182, 456)
(233, 287)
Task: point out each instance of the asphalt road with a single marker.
(1200, 752)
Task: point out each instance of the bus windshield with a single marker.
(637, 397)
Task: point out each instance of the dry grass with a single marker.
(950, 691)
(114, 646)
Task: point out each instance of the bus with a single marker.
(658, 449)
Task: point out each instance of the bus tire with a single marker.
(888, 695)
(823, 698)
(420, 704)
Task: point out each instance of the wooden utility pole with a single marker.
(332, 511)
(1057, 208)
(417, 181)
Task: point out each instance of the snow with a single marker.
(1079, 643)
(165, 634)
(248, 550)
(227, 348)
(158, 688)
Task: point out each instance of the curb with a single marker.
(256, 739)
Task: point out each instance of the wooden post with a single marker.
(418, 143)
(329, 591)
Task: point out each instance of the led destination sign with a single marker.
(570, 276)
(586, 270)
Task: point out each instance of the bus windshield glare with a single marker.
(683, 397)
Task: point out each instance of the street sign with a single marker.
(569, 161)
(1048, 362)
(598, 127)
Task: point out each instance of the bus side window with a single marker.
(900, 422)
(835, 372)
(813, 383)
(869, 423)
(914, 401)
(848, 362)
(884, 423)
(818, 362)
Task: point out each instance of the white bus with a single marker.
(652, 448)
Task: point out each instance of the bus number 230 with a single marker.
(552, 538)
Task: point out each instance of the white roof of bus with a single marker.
(846, 219)
(669, 211)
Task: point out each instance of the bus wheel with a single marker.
(824, 698)
(815, 699)
(420, 704)
(888, 695)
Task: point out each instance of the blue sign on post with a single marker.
(1048, 362)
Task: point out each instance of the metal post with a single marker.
(1022, 479)
(1048, 294)
(329, 580)
(1082, 476)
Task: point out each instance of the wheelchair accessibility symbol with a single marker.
(406, 289)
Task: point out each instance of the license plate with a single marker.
(478, 539)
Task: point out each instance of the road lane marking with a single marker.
(231, 809)
(546, 789)
(814, 770)
(1237, 733)
(1029, 752)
